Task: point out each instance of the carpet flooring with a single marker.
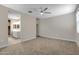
(42, 46)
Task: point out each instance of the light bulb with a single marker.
(41, 13)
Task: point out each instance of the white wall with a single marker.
(60, 27)
(3, 26)
(28, 27)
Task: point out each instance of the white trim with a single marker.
(28, 39)
(6, 45)
(23, 40)
(77, 41)
(57, 37)
(77, 44)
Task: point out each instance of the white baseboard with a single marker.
(6, 45)
(28, 39)
(77, 44)
(77, 41)
(57, 37)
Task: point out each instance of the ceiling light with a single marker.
(41, 13)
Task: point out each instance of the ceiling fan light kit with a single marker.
(41, 13)
(41, 10)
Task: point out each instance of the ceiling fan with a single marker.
(43, 11)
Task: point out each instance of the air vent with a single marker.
(29, 11)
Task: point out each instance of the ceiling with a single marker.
(55, 9)
(13, 15)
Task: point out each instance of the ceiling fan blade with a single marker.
(47, 12)
(45, 9)
(41, 10)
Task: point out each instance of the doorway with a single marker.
(37, 30)
(37, 27)
(9, 28)
(14, 27)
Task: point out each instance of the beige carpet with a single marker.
(42, 46)
(12, 41)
